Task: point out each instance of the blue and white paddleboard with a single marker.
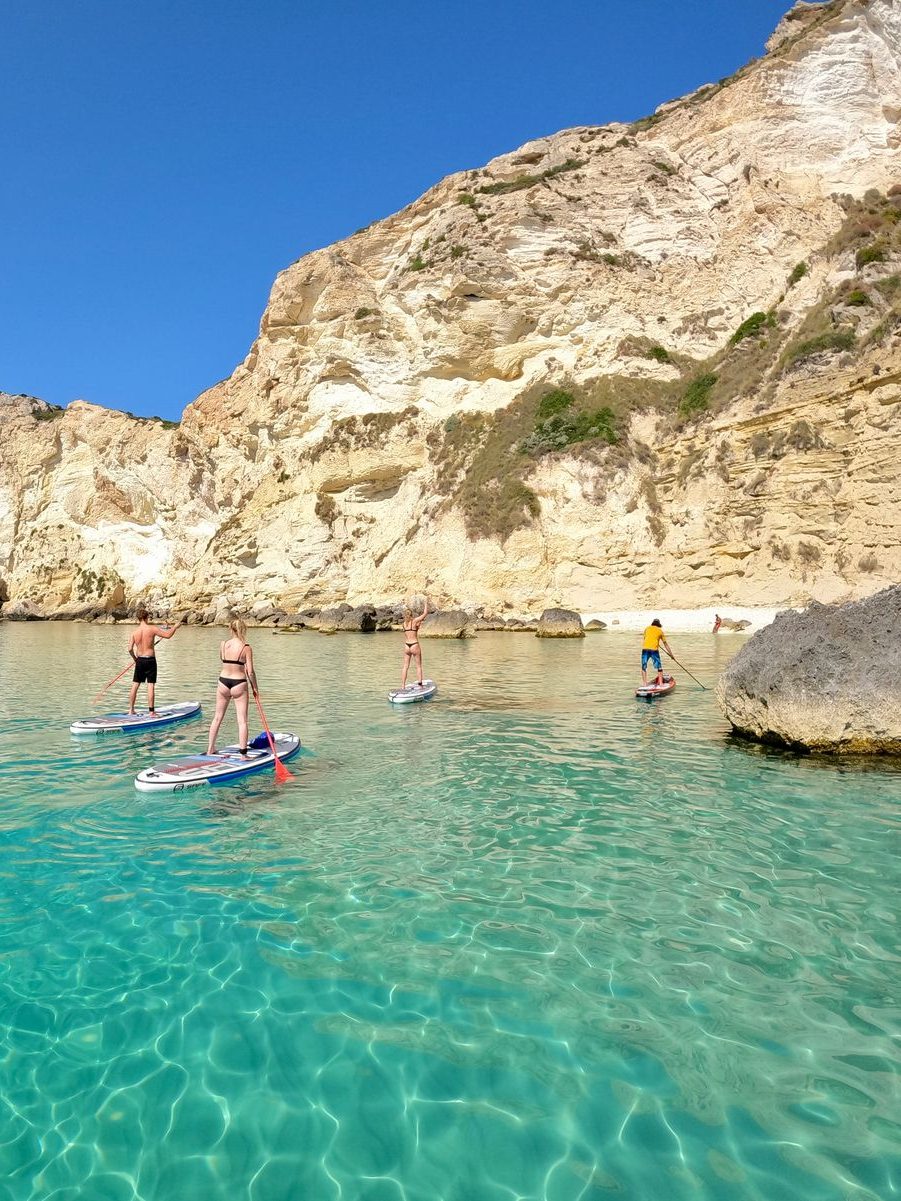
(197, 771)
(413, 692)
(132, 723)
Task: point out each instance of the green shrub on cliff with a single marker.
(754, 325)
(696, 397)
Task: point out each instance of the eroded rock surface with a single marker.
(387, 415)
(826, 679)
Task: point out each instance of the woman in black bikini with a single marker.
(412, 649)
(237, 676)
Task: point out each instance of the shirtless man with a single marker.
(141, 650)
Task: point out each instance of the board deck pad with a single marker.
(199, 770)
(649, 690)
(413, 692)
(131, 723)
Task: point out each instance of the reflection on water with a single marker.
(533, 939)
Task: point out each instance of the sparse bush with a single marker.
(505, 186)
(660, 354)
(874, 253)
(282, 477)
(808, 553)
(781, 550)
(889, 286)
(326, 509)
(612, 260)
(563, 429)
(868, 562)
(760, 444)
(554, 402)
(797, 274)
(417, 263)
(452, 423)
(664, 167)
(457, 252)
(363, 312)
(803, 437)
(696, 397)
(48, 413)
(832, 340)
(468, 199)
(857, 298)
(754, 325)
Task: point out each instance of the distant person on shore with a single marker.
(412, 649)
(717, 622)
(650, 651)
(141, 650)
(235, 683)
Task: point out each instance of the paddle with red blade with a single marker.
(282, 774)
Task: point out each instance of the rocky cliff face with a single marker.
(623, 365)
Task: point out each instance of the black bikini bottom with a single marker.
(230, 684)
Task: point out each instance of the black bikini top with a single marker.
(239, 662)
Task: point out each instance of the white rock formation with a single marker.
(371, 433)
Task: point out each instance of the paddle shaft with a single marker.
(108, 686)
(687, 672)
(281, 772)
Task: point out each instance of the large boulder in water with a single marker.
(827, 679)
(449, 623)
(560, 623)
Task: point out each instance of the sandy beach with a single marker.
(682, 621)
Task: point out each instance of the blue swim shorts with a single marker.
(652, 657)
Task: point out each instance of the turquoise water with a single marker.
(532, 940)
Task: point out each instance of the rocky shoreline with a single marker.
(342, 618)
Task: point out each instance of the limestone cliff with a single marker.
(623, 365)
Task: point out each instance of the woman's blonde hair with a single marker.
(238, 627)
(408, 612)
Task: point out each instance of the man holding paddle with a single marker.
(143, 640)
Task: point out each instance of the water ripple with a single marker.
(531, 940)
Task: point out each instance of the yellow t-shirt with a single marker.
(652, 638)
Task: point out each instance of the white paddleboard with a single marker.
(651, 690)
(413, 692)
(133, 723)
(197, 771)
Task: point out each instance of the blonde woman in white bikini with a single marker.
(235, 682)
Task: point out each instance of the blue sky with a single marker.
(163, 159)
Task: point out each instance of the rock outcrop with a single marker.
(623, 365)
(827, 679)
(450, 623)
(560, 623)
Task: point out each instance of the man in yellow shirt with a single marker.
(650, 651)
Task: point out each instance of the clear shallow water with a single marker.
(533, 939)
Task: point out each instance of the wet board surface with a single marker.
(125, 723)
(651, 690)
(197, 771)
(413, 692)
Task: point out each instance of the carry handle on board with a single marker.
(282, 774)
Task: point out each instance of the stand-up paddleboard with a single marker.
(413, 692)
(651, 690)
(132, 723)
(196, 771)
